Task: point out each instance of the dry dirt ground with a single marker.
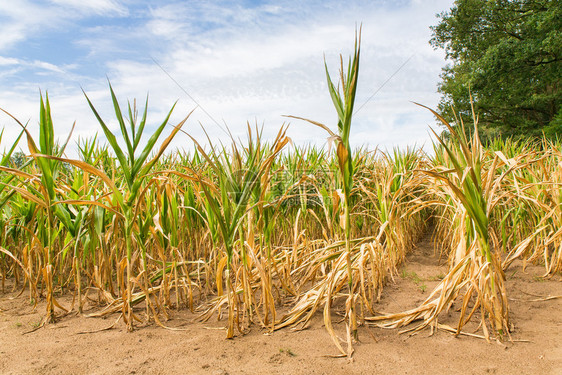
(201, 349)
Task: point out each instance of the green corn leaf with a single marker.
(113, 143)
(132, 120)
(336, 99)
(46, 131)
(122, 125)
(150, 145)
(140, 130)
(8, 155)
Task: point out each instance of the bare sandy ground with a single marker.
(201, 349)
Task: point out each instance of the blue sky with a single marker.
(240, 60)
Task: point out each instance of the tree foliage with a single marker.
(508, 55)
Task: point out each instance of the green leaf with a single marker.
(122, 125)
(113, 143)
(140, 130)
(150, 145)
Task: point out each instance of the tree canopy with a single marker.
(508, 55)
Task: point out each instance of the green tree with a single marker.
(508, 54)
(18, 159)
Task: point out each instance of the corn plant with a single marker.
(476, 265)
(344, 101)
(42, 190)
(127, 199)
(5, 197)
(228, 200)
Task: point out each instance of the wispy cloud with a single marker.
(5, 61)
(20, 19)
(100, 7)
(252, 63)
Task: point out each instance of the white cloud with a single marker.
(23, 19)
(36, 66)
(258, 64)
(20, 19)
(46, 66)
(100, 7)
(238, 75)
(4, 61)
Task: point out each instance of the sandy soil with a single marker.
(201, 349)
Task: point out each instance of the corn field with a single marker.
(265, 234)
